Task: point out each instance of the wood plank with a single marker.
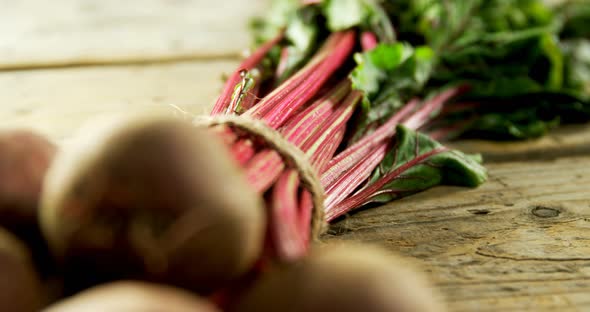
(568, 140)
(37, 33)
(519, 242)
(57, 102)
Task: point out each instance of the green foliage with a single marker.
(504, 49)
(417, 162)
(388, 75)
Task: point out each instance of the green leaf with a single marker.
(279, 14)
(554, 55)
(418, 162)
(525, 116)
(373, 67)
(512, 126)
(577, 68)
(575, 15)
(364, 14)
(389, 75)
(343, 14)
(302, 34)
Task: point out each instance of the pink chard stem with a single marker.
(284, 215)
(364, 195)
(350, 180)
(248, 64)
(242, 151)
(296, 91)
(225, 134)
(305, 213)
(298, 130)
(330, 127)
(327, 152)
(344, 161)
(368, 41)
(283, 62)
(429, 108)
(301, 126)
(263, 169)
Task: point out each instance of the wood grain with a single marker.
(58, 102)
(519, 242)
(567, 140)
(37, 33)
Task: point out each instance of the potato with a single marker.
(24, 159)
(153, 199)
(19, 284)
(132, 296)
(342, 278)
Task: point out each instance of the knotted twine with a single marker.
(290, 154)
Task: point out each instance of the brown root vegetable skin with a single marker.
(342, 278)
(132, 296)
(152, 199)
(20, 289)
(24, 159)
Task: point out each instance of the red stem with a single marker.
(330, 58)
(284, 215)
(305, 213)
(301, 126)
(225, 134)
(283, 62)
(263, 169)
(327, 152)
(368, 40)
(242, 151)
(361, 149)
(364, 195)
(251, 97)
(427, 111)
(451, 131)
(278, 94)
(351, 179)
(459, 107)
(248, 64)
(330, 127)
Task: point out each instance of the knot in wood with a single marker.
(545, 212)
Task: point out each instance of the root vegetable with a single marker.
(24, 159)
(154, 199)
(131, 296)
(19, 284)
(342, 278)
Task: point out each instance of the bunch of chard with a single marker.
(527, 63)
(364, 88)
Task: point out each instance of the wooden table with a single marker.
(519, 242)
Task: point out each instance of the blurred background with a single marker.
(64, 61)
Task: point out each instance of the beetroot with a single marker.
(343, 278)
(20, 290)
(152, 199)
(24, 159)
(133, 296)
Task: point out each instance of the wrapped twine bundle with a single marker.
(291, 155)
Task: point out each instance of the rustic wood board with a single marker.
(519, 242)
(568, 140)
(58, 102)
(35, 33)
